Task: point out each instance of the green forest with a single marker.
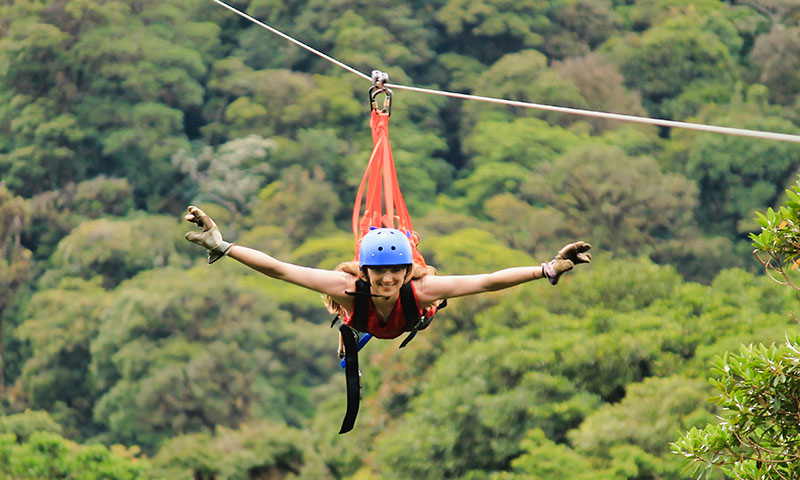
(125, 356)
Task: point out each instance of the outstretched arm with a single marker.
(328, 282)
(436, 287)
(432, 287)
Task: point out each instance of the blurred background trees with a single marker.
(115, 115)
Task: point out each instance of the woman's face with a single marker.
(386, 281)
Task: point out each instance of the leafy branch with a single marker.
(759, 436)
(777, 246)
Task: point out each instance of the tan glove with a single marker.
(566, 258)
(210, 237)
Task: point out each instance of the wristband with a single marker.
(219, 252)
(549, 272)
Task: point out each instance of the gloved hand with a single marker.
(566, 258)
(210, 237)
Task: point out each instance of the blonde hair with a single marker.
(416, 272)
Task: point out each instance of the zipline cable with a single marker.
(785, 137)
(742, 132)
(296, 42)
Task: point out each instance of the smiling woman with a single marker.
(385, 293)
(385, 265)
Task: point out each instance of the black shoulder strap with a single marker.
(411, 312)
(409, 304)
(361, 306)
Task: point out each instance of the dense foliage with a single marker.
(759, 436)
(758, 387)
(124, 356)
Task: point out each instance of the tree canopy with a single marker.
(125, 356)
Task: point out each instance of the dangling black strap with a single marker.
(408, 338)
(352, 379)
(414, 323)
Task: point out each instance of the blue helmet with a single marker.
(384, 247)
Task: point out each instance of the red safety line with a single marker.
(384, 203)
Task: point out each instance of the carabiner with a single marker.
(387, 101)
(379, 80)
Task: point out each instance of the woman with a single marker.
(385, 265)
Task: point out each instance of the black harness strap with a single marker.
(351, 373)
(410, 311)
(422, 323)
(409, 304)
(361, 305)
(352, 379)
(358, 322)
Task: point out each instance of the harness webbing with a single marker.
(361, 306)
(352, 378)
(383, 203)
(413, 321)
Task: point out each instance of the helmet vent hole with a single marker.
(394, 248)
(380, 249)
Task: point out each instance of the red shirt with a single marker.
(395, 322)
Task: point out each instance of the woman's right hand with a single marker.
(210, 237)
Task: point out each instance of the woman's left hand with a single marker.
(566, 259)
